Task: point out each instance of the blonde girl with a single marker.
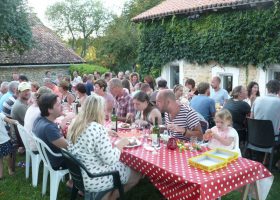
(90, 143)
(222, 135)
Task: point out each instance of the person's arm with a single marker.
(225, 141)
(196, 131)
(70, 99)
(60, 143)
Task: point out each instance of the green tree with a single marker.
(118, 47)
(15, 31)
(81, 18)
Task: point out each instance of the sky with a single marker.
(40, 7)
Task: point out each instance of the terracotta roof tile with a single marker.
(171, 7)
(48, 48)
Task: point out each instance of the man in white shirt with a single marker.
(77, 79)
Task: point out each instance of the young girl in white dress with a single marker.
(223, 135)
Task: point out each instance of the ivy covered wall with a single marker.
(237, 38)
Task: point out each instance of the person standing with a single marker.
(253, 92)
(219, 95)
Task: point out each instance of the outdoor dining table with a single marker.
(170, 172)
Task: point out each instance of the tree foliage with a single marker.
(81, 18)
(118, 47)
(236, 38)
(15, 31)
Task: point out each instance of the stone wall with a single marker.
(32, 73)
(203, 73)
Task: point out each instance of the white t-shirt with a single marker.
(77, 80)
(32, 113)
(4, 137)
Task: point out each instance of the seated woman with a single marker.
(146, 111)
(179, 91)
(66, 96)
(90, 143)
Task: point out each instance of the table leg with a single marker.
(245, 192)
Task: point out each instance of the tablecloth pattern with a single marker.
(171, 174)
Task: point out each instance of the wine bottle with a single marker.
(156, 134)
(114, 120)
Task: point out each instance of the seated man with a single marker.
(47, 130)
(202, 103)
(180, 119)
(125, 109)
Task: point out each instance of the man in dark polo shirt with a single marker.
(47, 130)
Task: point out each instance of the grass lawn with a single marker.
(18, 188)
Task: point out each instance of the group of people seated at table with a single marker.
(141, 103)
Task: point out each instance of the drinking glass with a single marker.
(193, 140)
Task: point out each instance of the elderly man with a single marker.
(180, 119)
(13, 85)
(219, 95)
(125, 109)
(4, 88)
(47, 130)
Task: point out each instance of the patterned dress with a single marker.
(94, 149)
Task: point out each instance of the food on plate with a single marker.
(132, 142)
(125, 125)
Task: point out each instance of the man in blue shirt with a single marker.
(219, 95)
(13, 85)
(202, 103)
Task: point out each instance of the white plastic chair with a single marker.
(236, 144)
(35, 158)
(55, 175)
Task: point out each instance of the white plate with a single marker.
(120, 126)
(138, 143)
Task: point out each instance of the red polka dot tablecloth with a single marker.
(171, 173)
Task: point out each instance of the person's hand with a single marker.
(122, 143)
(112, 133)
(208, 135)
(175, 128)
(141, 122)
(129, 117)
(11, 121)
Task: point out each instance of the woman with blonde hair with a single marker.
(90, 143)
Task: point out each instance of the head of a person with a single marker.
(253, 88)
(22, 78)
(165, 100)
(4, 87)
(92, 111)
(273, 87)
(81, 89)
(15, 76)
(223, 119)
(85, 78)
(42, 90)
(190, 83)
(24, 91)
(13, 86)
(162, 84)
(96, 75)
(75, 73)
(120, 75)
(127, 72)
(134, 77)
(48, 83)
(215, 83)
(49, 105)
(239, 92)
(100, 86)
(145, 87)
(90, 77)
(48, 74)
(34, 86)
(116, 87)
(126, 84)
(150, 80)
(203, 88)
(141, 101)
(178, 90)
(108, 76)
(64, 86)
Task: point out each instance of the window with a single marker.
(277, 75)
(226, 81)
(174, 75)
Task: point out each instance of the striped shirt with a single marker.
(7, 106)
(186, 118)
(124, 104)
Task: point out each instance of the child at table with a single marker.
(6, 146)
(223, 135)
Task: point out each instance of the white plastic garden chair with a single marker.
(35, 158)
(55, 175)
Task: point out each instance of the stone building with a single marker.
(48, 53)
(177, 71)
